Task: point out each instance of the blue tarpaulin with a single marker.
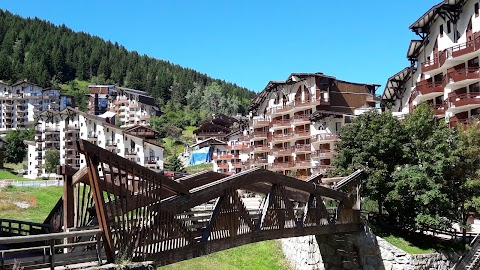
(200, 156)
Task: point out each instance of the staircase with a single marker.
(471, 259)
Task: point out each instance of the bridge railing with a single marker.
(50, 250)
(10, 227)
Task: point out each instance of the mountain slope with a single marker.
(49, 55)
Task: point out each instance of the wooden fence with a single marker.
(50, 250)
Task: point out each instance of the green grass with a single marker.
(41, 201)
(415, 243)
(199, 168)
(14, 166)
(265, 255)
(406, 246)
(12, 176)
(82, 85)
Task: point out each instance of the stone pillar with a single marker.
(350, 251)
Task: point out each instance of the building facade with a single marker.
(59, 130)
(294, 124)
(444, 66)
(22, 102)
(132, 107)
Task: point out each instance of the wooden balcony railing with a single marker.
(281, 123)
(424, 87)
(282, 151)
(303, 148)
(458, 75)
(455, 51)
(464, 99)
(324, 137)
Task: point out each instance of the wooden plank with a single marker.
(216, 189)
(200, 249)
(88, 148)
(46, 237)
(81, 176)
(100, 208)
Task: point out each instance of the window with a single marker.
(449, 27)
(476, 10)
(441, 30)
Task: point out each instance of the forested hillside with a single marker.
(52, 55)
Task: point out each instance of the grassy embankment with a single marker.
(40, 202)
(415, 243)
(265, 255)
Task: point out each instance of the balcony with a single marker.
(283, 137)
(151, 160)
(260, 148)
(223, 166)
(429, 90)
(145, 117)
(130, 152)
(322, 169)
(323, 154)
(52, 139)
(287, 151)
(309, 103)
(259, 122)
(280, 124)
(302, 164)
(238, 146)
(257, 135)
(440, 109)
(303, 148)
(301, 134)
(223, 156)
(258, 161)
(120, 101)
(72, 157)
(71, 129)
(279, 166)
(92, 136)
(463, 77)
(237, 164)
(50, 130)
(110, 144)
(281, 109)
(301, 119)
(374, 98)
(325, 138)
(464, 101)
(451, 56)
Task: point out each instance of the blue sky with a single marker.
(250, 42)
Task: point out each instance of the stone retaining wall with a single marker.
(357, 251)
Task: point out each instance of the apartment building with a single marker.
(294, 124)
(219, 126)
(22, 102)
(59, 130)
(132, 107)
(444, 68)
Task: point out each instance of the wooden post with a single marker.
(68, 193)
(92, 163)
(68, 200)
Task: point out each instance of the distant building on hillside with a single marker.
(293, 125)
(22, 102)
(218, 126)
(132, 107)
(59, 130)
(444, 69)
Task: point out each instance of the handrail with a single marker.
(46, 237)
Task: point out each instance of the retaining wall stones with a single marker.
(361, 250)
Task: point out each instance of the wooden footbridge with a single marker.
(143, 215)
